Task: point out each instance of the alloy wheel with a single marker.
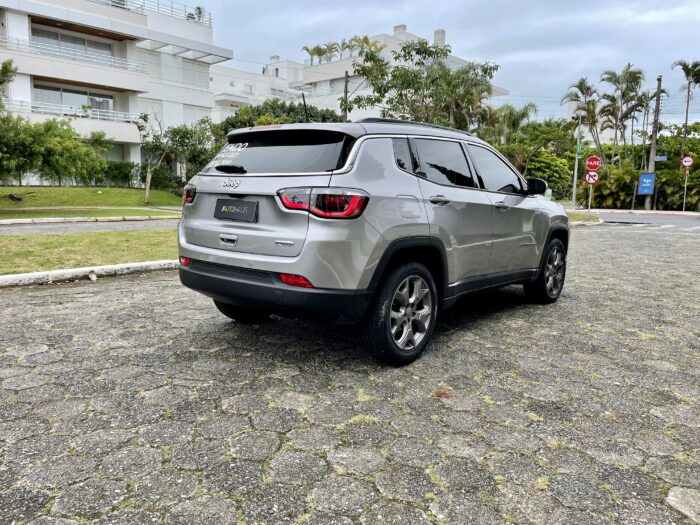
(411, 312)
(554, 272)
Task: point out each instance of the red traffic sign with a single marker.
(687, 161)
(592, 177)
(593, 163)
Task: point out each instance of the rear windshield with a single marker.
(282, 151)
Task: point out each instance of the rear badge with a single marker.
(232, 183)
(284, 243)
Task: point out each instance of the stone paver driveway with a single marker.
(132, 400)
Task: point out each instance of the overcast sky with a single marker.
(542, 45)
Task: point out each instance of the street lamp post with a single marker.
(578, 148)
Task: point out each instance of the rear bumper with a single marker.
(265, 291)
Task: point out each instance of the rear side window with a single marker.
(404, 157)
(494, 174)
(444, 162)
(282, 151)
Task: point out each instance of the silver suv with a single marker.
(381, 222)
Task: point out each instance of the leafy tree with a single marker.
(273, 112)
(504, 121)
(311, 52)
(7, 75)
(543, 164)
(121, 173)
(421, 87)
(65, 156)
(21, 147)
(584, 97)
(691, 71)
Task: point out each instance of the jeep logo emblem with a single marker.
(232, 183)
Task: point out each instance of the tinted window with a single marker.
(404, 157)
(494, 174)
(282, 151)
(444, 162)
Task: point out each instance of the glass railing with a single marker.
(76, 55)
(164, 7)
(59, 110)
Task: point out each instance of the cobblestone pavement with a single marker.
(131, 400)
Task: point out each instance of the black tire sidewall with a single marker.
(381, 341)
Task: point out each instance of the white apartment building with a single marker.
(104, 62)
(324, 83)
(234, 88)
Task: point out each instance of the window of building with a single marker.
(71, 43)
(248, 89)
(493, 173)
(443, 162)
(195, 73)
(192, 114)
(75, 98)
(277, 72)
(154, 108)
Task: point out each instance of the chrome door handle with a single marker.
(228, 240)
(502, 206)
(440, 200)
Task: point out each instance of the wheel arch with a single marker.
(426, 250)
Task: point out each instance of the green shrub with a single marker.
(121, 173)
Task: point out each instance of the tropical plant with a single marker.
(343, 46)
(584, 96)
(311, 51)
(365, 43)
(421, 87)
(329, 50)
(505, 120)
(7, 75)
(620, 107)
(691, 71)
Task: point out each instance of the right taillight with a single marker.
(327, 203)
(189, 192)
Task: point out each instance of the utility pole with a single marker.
(345, 97)
(654, 135)
(578, 148)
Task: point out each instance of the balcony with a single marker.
(74, 55)
(118, 126)
(164, 7)
(59, 110)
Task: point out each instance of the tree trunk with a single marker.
(685, 125)
(149, 176)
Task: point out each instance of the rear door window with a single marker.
(443, 162)
(282, 151)
(404, 156)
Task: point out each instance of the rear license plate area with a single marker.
(236, 210)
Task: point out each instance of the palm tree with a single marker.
(320, 52)
(626, 86)
(344, 45)
(329, 50)
(507, 119)
(365, 43)
(692, 78)
(585, 99)
(311, 53)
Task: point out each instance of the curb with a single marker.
(54, 220)
(90, 272)
(643, 212)
(587, 223)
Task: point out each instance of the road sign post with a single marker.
(593, 163)
(687, 162)
(579, 149)
(646, 184)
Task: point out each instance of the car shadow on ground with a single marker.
(296, 342)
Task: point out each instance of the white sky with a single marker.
(543, 46)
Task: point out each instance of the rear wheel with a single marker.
(550, 281)
(402, 317)
(242, 315)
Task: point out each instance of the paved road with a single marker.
(682, 221)
(85, 227)
(131, 400)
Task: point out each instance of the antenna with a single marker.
(306, 111)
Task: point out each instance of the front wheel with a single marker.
(402, 317)
(550, 280)
(242, 315)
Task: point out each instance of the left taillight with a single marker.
(327, 203)
(189, 192)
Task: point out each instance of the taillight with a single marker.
(189, 192)
(327, 203)
(295, 280)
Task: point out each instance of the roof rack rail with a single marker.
(377, 120)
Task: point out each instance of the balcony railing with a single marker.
(75, 55)
(164, 7)
(59, 110)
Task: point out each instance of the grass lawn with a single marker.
(33, 253)
(577, 216)
(41, 196)
(77, 212)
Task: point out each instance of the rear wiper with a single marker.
(230, 168)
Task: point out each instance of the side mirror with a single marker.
(536, 186)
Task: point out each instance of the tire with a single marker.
(550, 278)
(243, 316)
(389, 337)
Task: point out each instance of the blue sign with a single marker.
(661, 158)
(646, 184)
